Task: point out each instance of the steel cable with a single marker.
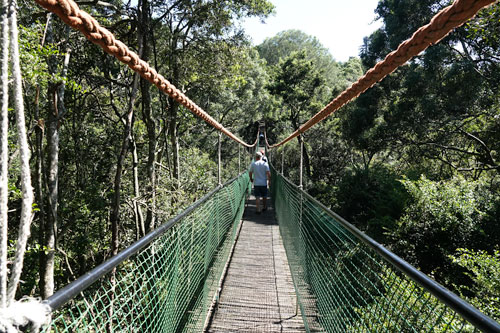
(346, 282)
(166, 281)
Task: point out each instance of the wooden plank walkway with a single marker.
(257, 294)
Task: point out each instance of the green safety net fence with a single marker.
(343, 285)
(169, 285)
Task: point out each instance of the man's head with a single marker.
(258, 155)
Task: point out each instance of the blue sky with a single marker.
(339, 25)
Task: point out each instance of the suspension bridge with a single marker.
(299, 267)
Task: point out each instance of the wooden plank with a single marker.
(258, 293)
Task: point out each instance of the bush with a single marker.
(441, 217)
(372, 199)
(484, 270)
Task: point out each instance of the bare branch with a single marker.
(448, 148)
(97, 3)
(481, 142)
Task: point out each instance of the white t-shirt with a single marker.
(259, 169)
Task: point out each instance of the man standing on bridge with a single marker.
(260, 170)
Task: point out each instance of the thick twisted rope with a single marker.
(80, 20)
(441, 24)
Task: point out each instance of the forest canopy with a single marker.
(413, 162)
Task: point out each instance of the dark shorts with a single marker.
(260, 191)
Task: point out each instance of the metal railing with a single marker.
(165, 282)
(347, 282)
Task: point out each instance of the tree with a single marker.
(484, 270)
(298, 84)
(372, 198)
(333, 77)
(441, 217)
(277, 48)
(238, 98)
(443, 105)
(4, 152)
(436, 117)
(192, 30)
(90, 172)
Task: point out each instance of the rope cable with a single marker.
(265, 139)
(441, 24)
(80, 20)
(27, 190)
(4, 149)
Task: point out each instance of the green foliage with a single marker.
(484, 270)
(277, 48)
(407, 308)
(199, 176)
(373, 199)
(14, 192)
(443, 107)
(297, 82)
(441, 217)
(403, 18)
(240, 97)
(97, 93)
(351, 71)
(33, 55)
(438, 116)
(482, 32)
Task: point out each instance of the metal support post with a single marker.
(219, 170)
(301, 161)
(282, 159)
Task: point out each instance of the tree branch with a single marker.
(97, 3)
(481, 142)
(448, 148)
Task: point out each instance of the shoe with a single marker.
(264, 209)
(257, 212)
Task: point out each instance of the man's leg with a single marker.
(264, 203)
(257, 204)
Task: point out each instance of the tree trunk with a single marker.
(139, 218)
(174, 141)
(39, 183)
(173, 110)
(47, 269)
(115, 204)
(219, 160)
(295, 119)
(152, 146)
(47, 280)
(39, 197)
(55, 115)
(151, 168)
(143, 37)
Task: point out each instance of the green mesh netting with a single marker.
(342, 284)
(169, 285)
